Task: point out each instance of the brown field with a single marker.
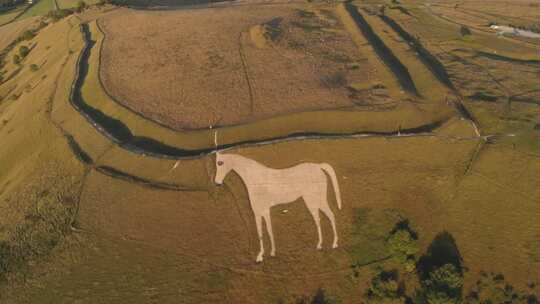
(73, 232)
(11, 31)
(217, 70)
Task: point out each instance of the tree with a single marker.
(385, 288)
(444, 285)
(403, 247)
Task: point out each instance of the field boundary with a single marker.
(385, 54)
(120, 134)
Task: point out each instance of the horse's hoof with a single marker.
(335, 246)
(319, 247)
(259, 259)
(272, 253)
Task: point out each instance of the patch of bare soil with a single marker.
(195, 68)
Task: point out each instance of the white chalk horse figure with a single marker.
(269, 187)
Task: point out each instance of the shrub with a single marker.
(402, 246)
(465, 31)
(385, 288)
(59, 14)
(444, 285)
(336, 80)
(26, 35)
(23, 51)
(34, 67)
(16, 59)
(81, 6)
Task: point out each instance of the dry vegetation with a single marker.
(86, 220)
(11, 31)
(219, 71)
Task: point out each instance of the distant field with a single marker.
(90, 217)
(63, 4)
(9, 15)
(41, 8)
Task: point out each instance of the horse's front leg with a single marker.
(258, 222)
(268, 222)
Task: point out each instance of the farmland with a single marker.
(111, 119)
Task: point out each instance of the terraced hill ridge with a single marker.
(117, 125)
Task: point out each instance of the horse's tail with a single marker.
(330, 171)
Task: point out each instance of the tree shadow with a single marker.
(319, 298)
(443, 250)
(404, 224)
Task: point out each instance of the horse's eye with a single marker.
(220, 163)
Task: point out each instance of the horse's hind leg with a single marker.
(315, 213)
(326, 210)
(258, 222)
(268, 222)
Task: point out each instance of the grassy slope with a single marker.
(154, 245)
(41, 8)
(39, 178)
(63, 4)
(406, 116)
(8, 16)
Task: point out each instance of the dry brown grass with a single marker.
(211, 71)
(144, 245)
(10, 32)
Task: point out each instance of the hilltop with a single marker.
(111, 118)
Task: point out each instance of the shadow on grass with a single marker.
(405, 224)
(443, 250)
(318, 298)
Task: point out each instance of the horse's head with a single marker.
(223, 167)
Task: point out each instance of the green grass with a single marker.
(161, 246)
(41, 8)
(9, 15)
(64, 4)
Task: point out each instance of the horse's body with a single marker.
(268, 187)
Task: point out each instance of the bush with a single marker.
(385, 288)
(16, 59)
(465, 31)
(402, 246)
(81, 6)
(336, 80)
(26, 35)
(34, 67)
(444, 285)
(23, 51)
(59, 14)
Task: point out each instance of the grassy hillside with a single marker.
(439, 191)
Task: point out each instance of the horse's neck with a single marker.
(245, 167)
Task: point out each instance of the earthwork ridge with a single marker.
(123, 127)
(134, 133)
